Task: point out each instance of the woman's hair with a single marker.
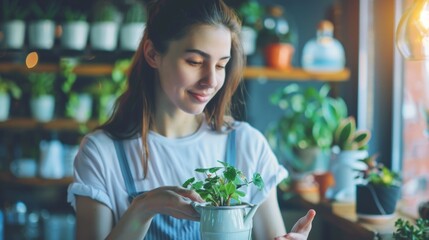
(170, 20)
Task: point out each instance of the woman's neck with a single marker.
(177, 125)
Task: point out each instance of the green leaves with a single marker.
(220, 189)
(407, 231)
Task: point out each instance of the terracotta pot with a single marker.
(279, 55)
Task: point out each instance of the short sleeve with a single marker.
(89, 172)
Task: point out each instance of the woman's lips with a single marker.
(200, 97)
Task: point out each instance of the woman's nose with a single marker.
(209, 78)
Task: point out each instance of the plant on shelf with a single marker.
(220, 189)
(42, 29)
(75, 29)
(133, 26)
(104, 27)
(378, 189)
(13, 18)
(250, 13)
(408, 231)
(7, 88)
(347, 137)
(42, 89)
(306, 126)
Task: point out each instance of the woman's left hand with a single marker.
(301, 229)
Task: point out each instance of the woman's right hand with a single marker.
(170, 200)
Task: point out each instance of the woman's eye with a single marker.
(194, 63)
(220, 67)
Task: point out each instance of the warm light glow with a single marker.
(412, 33)
(32, 59)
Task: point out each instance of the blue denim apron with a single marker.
(164, 226)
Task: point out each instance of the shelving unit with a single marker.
(9, 179)
(54, 125)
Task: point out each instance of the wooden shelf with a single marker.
(249, 73)
(56, 124)
(7, 178)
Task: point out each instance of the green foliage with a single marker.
(309, 117)
(346, 136)
(250, 13)
(13, 10)
(135, 13)
(74, 15)
(105, 12)
(9, 86)
(46, 12)
(407, 231)
(220, 189)
(42, 83)
(67, 66)
(377, 174)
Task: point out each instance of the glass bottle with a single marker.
(323, 53)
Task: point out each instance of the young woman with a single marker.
(171, 120)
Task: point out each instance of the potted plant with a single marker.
(349, 146)
(41, 31)
(42, 102)
(224, 216)
(377, 191)
(7, 88)
(133, 26)
(408, 231)
(304, 132)
(75, 29)
(104, 27)
(250, 12)
(13, 16)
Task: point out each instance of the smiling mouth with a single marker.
(202, 98)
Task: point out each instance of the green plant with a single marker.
(42, 83)
(72, 15)
(135, 13)
(346, 137)
(407, 231)
(9, 86)
(250, 12)
(309, 117)
(376, 173)
(105, 12)
(220, 189)
(13, 10)
(47, 12)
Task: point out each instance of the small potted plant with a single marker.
(377, 191)
(349, 146)
(133, 26)
(42, 102)
(41, 31)
(104, 27)
(408, 231)
(7, 88)
(75, 29)
(250, 12)
(224, 215)
(13, 18)
(305, 130)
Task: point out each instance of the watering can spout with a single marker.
(249, 216)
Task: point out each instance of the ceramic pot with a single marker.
(375, 200)
(14, 34)
(81, 108)
(42, 108)
(75, 35)
(226, 222)
(104, 36)
(248, 38)
(4, 106)
(41, 34)
(279, 55)
(131, 35)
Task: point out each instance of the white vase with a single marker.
(42, 108)
(248, 38)
(14, 34)
(75, 35)
(104, 36)
(83, 109)
(226, 222)
(4, 106)
(131, 35)
(41, 34)
(344, 166)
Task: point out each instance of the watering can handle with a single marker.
(249, 216)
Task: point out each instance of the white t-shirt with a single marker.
(171, 162)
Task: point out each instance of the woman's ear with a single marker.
(150, 53)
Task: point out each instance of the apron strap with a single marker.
(230, 148)
(125, 168)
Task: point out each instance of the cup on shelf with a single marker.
(24, 167)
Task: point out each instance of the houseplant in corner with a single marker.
(224, 216)
(7, 88)
(133, 26)
(349, 146)
(377, 191)
(304, 133)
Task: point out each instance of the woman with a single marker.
(169, 121)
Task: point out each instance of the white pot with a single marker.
(226, 223)
(107, 104)
(104, 36)
(14, 34)
(343, 166)
(131, 35)
(248, 38)
(42, 108)
(41, 34)
(4, 106)
(75, 35)
(83, 109)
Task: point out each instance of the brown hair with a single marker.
(171, 20)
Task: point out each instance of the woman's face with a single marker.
(192, 70)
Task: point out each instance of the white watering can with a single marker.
(226, 222)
